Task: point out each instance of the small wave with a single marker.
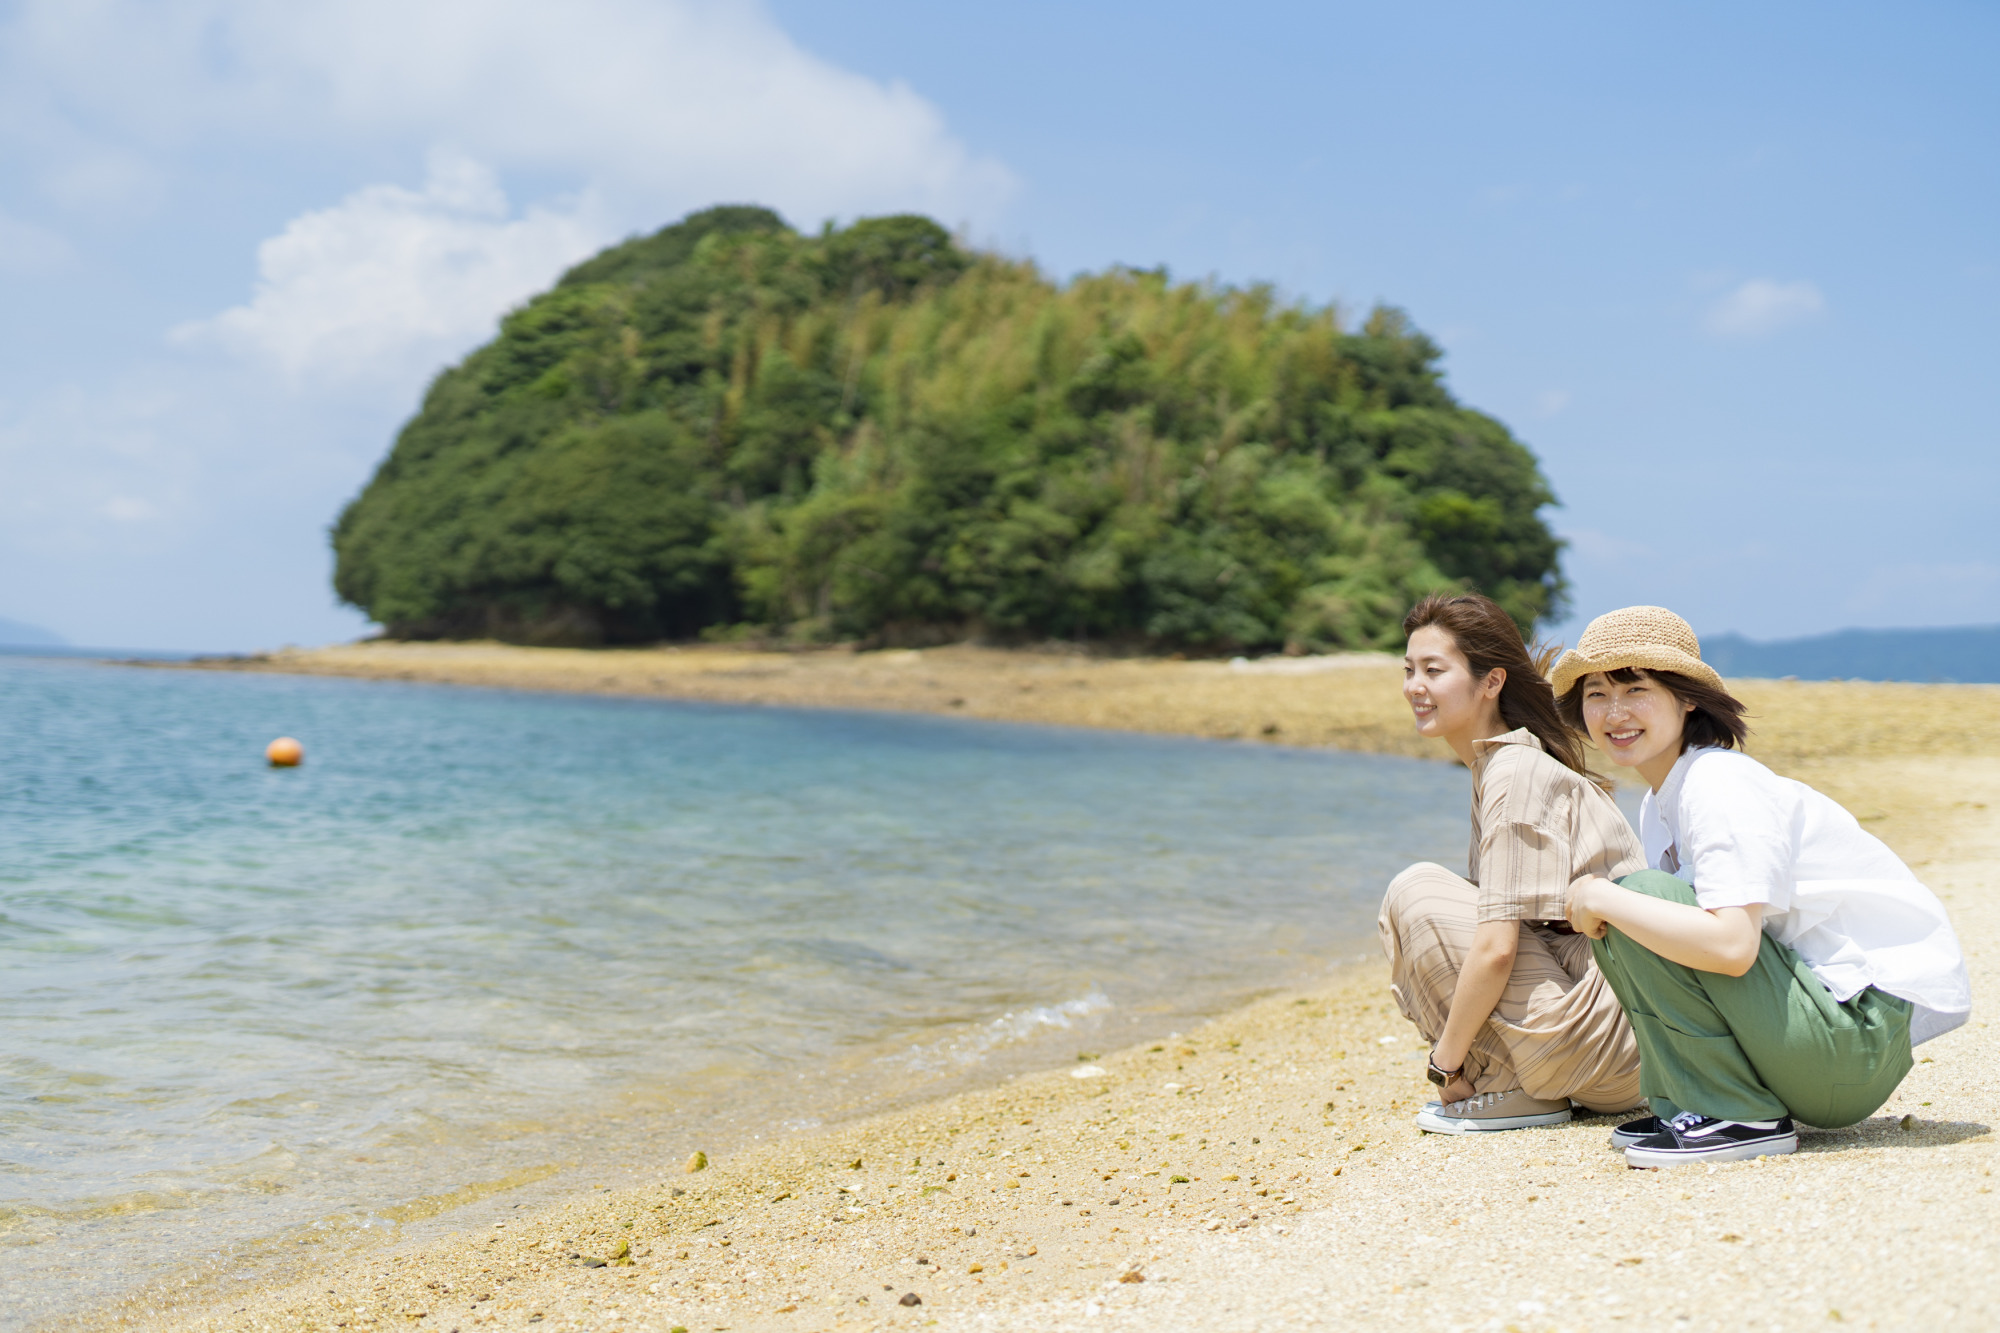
(1017, 1026)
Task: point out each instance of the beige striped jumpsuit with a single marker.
(1557, 1031)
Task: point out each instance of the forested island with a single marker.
(730, 429)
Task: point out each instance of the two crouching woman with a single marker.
(1753, 959)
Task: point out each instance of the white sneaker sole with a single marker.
(1721, 1152)
(1432, 1120)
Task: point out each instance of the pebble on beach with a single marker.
(697, 1161)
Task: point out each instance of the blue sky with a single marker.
(1729, 271)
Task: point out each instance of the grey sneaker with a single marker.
(1490, 1111)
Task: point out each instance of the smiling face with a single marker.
(1447, 700)
(1638, 722)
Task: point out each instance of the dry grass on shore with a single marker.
(1350, 702)
(1325, 701)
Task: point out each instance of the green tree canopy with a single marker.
(872, 433)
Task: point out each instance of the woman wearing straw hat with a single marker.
(1520, 1020)
(1779, 962)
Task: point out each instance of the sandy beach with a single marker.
(1261, 1171)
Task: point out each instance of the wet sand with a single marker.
(1259, 1172)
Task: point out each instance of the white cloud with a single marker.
(104, 182)
(180, 504)
(390, 281)
(113, 450)
(31, 250)
(660, 105)
(641, 109)
(1762, 306)
(128, 485)
(128, 508)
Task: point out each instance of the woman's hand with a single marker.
(1584, 900)
(1457, 1087)
(1721, 939)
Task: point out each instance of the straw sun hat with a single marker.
(1638, 636)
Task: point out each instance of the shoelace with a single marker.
(1687, 1120)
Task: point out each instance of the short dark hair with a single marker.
(1717, 718)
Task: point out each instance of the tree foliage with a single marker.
(729, 427)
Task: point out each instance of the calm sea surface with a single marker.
(485, 943)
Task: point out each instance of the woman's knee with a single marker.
(1659, 884)
(1416, 874)
(1423, 892)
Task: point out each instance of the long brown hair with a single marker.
(1488, 638)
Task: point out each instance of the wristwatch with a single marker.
(1441, 1077)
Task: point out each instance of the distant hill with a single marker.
(14, 634)
(730, 429)
(1966, 654)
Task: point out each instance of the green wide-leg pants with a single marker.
(1769, 1043)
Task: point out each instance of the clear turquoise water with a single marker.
(481, 931)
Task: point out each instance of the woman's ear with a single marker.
(1496, 680)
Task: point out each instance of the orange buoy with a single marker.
(284, 752)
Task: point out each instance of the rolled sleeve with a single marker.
(1524, 873)
(1738, 840)
(1525, 852)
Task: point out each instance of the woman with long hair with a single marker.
(1520, 1020)
(1778, 961)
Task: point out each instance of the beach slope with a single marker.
(1260, 1172)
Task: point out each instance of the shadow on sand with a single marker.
(1888, 1131)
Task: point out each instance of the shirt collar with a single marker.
(1518, 736)
(1669, 795)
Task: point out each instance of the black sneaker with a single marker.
(1632, 1131)
(1690, 1137)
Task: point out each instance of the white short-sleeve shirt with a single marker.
(1742, 835)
